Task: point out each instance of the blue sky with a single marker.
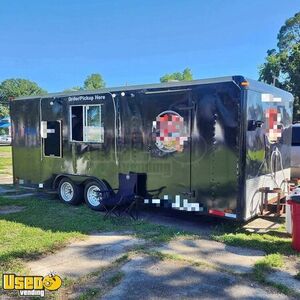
(58, 43)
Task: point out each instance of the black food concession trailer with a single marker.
(206, 145)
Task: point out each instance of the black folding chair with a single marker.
(125, 200)
(142, 187)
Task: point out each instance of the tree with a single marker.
(282, 66)
(4, 110)
(289, 33)
(178, 76)
(93, 82)
(270, 70)
(16, 87)
(73, 89)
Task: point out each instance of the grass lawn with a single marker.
(46, 225)
(5, 149)
(5, 160)
(269, 242)
(276, 241)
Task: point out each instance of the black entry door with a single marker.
(52, 143)
(167, 124)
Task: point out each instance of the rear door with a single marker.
(167, 122)
(215, 150)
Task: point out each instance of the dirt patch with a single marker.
(287, 274)
(10, 209)
(146, 278)
(83, 257)
(261, 225)
(235, 259)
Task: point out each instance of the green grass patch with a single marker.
(116, 278)
(89, 294)
(265, 265)
(281, 288)
(5, 149)
(5, 165)
(272, 242)
(47, 225)
(5, 160)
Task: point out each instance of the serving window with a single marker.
(86, 124)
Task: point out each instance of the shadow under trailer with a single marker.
(207, 146)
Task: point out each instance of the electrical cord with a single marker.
(115, 125)
(275, 155)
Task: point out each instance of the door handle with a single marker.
(189, 194)
(185, 108)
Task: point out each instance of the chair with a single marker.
(141, 189)
(141, 186)
(125, 200)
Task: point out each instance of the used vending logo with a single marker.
(31, 285)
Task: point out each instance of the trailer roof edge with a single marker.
(235, 78)
(134, 87)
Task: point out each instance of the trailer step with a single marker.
(275, 205)
(274, 208)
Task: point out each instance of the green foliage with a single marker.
(4, 110)
(185, 75)
(282, 66)
(289, 34)
(269, 72)
(93, 82)
(19, 87)
(3, 131)
(16, 87)
(73, 89)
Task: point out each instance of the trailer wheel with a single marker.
(69, 192)
(92, 196)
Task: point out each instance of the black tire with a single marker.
(69, 192)
(92, 198)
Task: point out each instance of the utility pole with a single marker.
(274, 79)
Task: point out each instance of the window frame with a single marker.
(84, 120)
(60, 141)
(295, 140)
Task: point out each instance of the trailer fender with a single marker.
(81, 179)
(56, 181)
(100, 181)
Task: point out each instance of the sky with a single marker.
(58, 43)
